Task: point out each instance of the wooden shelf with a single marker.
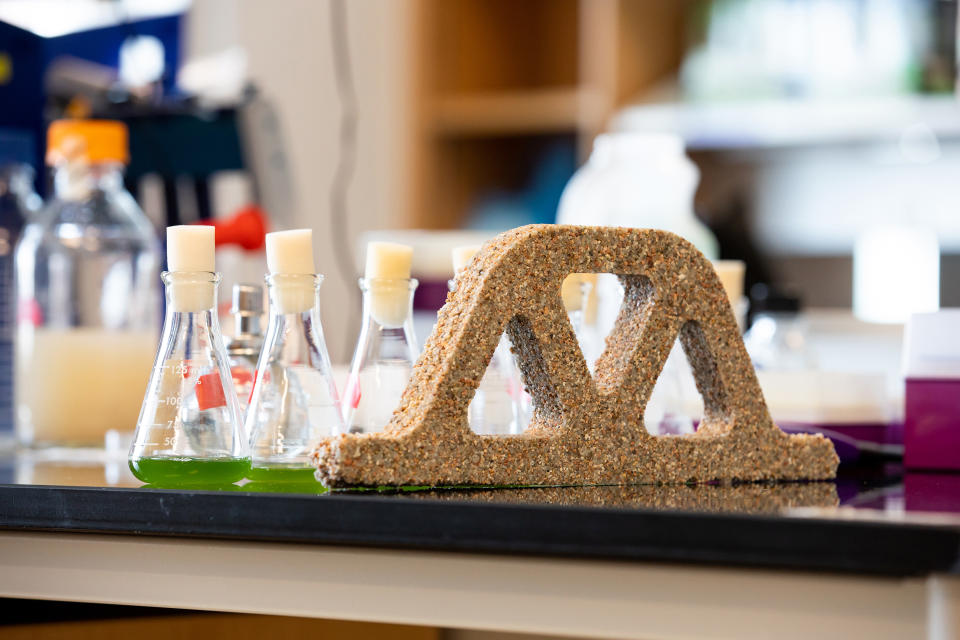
(502, 45)
(498, 83)
(531, 111)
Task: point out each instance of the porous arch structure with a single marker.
(586, 429)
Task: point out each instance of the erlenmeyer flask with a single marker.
(294, 401)
(189, 430)
(386, 351)
(496, 405)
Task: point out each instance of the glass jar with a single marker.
(87, 295)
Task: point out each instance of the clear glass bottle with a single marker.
(386, 351)
(190, 431)
(18, 203)
(295, 401)
(244, 347)
(87, 295)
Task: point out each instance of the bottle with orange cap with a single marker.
(88, 301)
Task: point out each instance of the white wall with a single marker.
(290, 61)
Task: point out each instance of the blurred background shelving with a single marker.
(805, 119)
(809, 121)
(503, 84)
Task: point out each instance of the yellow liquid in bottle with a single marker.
(74, 385)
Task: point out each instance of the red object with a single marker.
(30, 312)
(253, 388)
(354, 393)
(246, 229)
(241, 376)
(210, 393)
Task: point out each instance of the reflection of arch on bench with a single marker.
(585, 430)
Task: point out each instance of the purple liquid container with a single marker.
(932, 372)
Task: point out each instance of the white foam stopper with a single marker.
(190, 248)
(575, 294)
(390, 263)
(462, 257)
(731, 274)
(291, 253)
(388, 260)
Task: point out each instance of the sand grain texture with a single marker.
(585, 430)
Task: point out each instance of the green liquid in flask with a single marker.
(282, 473)
(190, 471)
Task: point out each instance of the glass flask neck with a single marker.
(386, 333)
(77, 180)
(388, 302)
(191, 291)
(293, 294)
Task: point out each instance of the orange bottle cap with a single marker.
(90, 140)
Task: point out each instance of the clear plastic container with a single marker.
(87, 295)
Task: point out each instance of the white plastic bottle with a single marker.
(641, 180)
(638, 180)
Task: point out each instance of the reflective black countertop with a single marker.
(872, 519)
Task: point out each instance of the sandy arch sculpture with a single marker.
(586, 429)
